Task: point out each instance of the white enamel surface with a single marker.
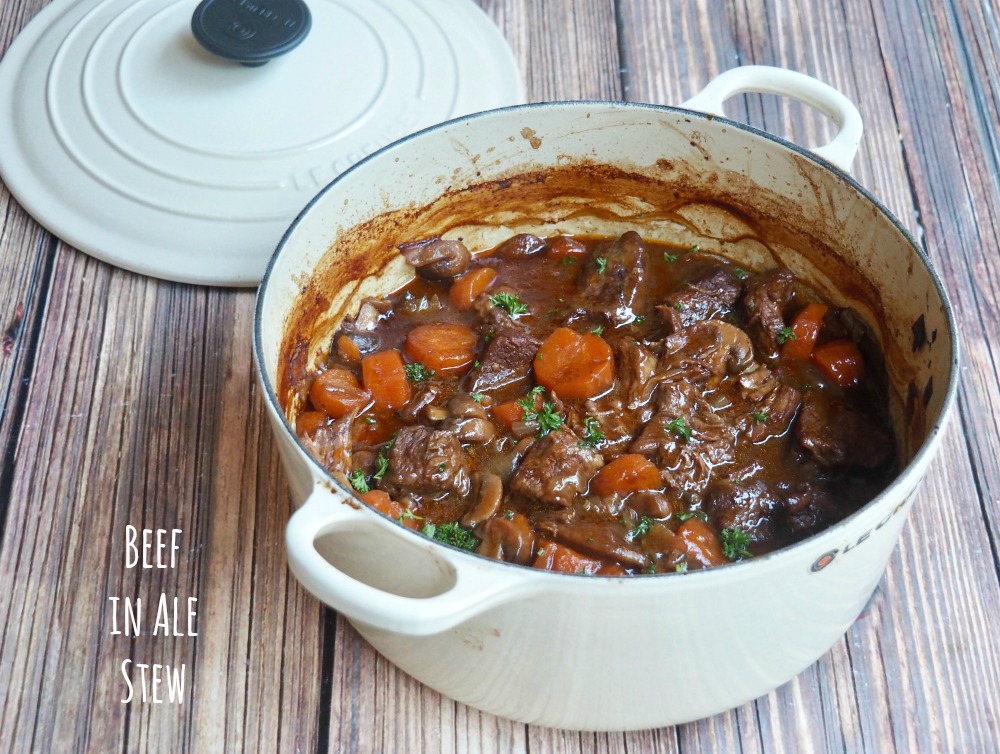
(610, 654)
(124, 137)
(769, 80)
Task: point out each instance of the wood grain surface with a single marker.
(125, 400)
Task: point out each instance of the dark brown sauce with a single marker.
(779, 479)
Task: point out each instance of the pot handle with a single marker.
(474, 588)
(799, 86)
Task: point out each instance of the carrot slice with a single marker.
(574, 365)
(626, 474)
(553, 556)
(842, 362)
(508, 413)
(446, 347)
(561, 247)
(348, 349)
(380, 501)
(701, 543)
(337, 392)
(805, 330)
(385, 377)
(467, 288)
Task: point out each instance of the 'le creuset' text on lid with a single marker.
(159, 149)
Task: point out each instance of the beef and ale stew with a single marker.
(602, 406)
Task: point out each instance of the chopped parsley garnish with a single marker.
(598, 330)
(477, 397)
(452, 533)
(441, 467)
(667, 257)
(514, 306)
(639, 320)
(681, 568)
(407, 513)
(602, 265)
(475, 364)
(785, 335)
(760, 417)
(382, 465)
(680, 306)
(694, 249)
(417, 372)
(508, 514)
(734, 543)
(680, 428)
(682, 517)
(650, 569)
(594, 436)
(644, 525)
(358, 481)
(370, 419)
(740, 273)
(547, 418)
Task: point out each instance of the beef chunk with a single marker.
(612, 276)
(752, 508)
(776, 403)
(837, 436)
(428, 461)
(774, 415)
(556, 468)
(763, 305)
(807, 509)
(635, 366)
(686, 439)
(711, 296)
(599, 540)
(436, 258)
(506, 363)
(331, 444)
(706, 352)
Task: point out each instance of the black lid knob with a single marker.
(250, 32)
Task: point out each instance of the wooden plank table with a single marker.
(126, 400)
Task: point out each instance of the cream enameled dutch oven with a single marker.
(586, 652)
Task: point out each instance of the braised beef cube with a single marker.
(752, 508)
(331, 444)
(437, 258)
(711, 296)
(635, 366)
(774, 414)
(428, 461)
(838, 436)
(763, 306)
(506, 362)
(612, 276)
(600, 540)
(808, 510)
(556, 468)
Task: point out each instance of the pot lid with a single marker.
(125, 132)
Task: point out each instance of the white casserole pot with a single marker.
(586, 652)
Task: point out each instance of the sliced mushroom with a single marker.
(489, 495)
(437, 258)
(509, 539)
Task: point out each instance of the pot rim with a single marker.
(919, 459)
